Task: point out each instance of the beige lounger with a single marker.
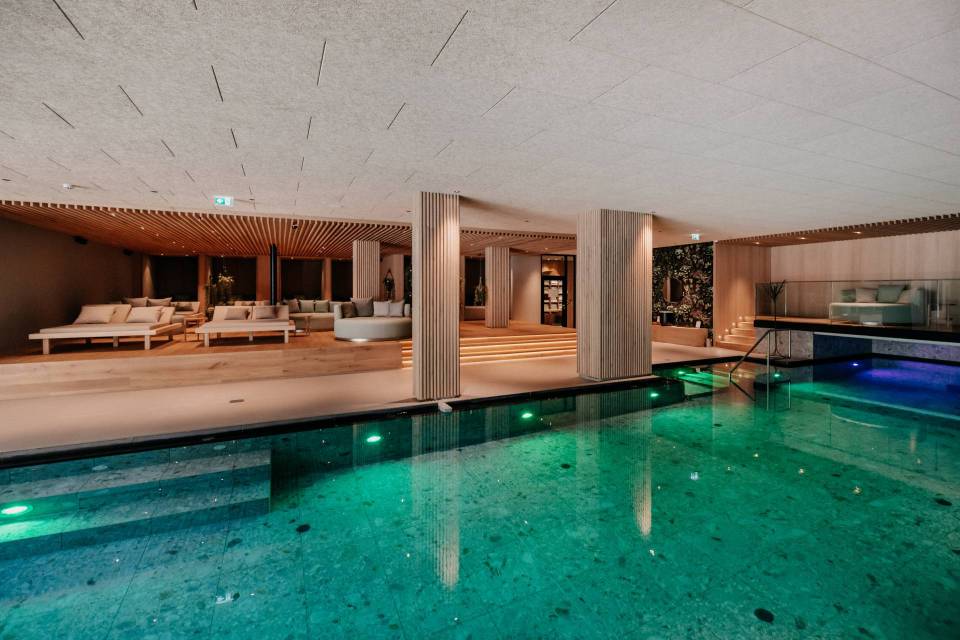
(245, 322)
(116, 328)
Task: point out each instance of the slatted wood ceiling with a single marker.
(229, 234)
(928, 224)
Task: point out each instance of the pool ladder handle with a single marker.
(756, 344)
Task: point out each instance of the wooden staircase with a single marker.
(740, 336)
(501, 348)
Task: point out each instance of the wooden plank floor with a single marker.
(76, 367)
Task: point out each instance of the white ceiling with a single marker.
(729, 120)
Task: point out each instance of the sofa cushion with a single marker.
(381, 309)
(261, 303)
(264, 313)
(866, 295)
(363, 306)
(907, 296)
(184, 306)
(95, 314)
(149, 315)
(136, 302)
(293, 304)
(243, 303)
(307, 306)
(322, 306)
(848, 295)
(347, 310)
(159, 302)
(396, 309)
(236, 313)
(889, 292)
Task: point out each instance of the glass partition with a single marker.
(926, 304)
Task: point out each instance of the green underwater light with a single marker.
(16, 510)
(526, 415)
(654, 394)
(374, 439)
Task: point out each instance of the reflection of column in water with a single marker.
(588, 434)
(643, 475)
(496, 422)
(435, 483)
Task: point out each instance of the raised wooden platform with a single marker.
(81, 368)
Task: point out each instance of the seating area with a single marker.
(114, 321)
(896, 304)
(365, 320)
(248, 319)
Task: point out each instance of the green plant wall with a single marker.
(692, 266)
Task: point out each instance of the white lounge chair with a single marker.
(247, 319)
(111, 321)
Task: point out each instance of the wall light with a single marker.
(16, 510)
(374, 439)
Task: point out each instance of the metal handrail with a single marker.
(750, 350)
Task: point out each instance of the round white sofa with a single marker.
(372, 328)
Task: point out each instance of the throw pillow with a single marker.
(94, 314)
(293, 304)
(308, 306)
(347, 310)
(158, 302)
(264, 313)
(148, 315)
(364, 306)
(183, 306)
(396, 309)
(322, 306)
(866, 295)
(261, 303)
(889, 292)
(236, 313)
(848, 295)
(381, 309)
(135, 302)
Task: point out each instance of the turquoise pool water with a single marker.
(637, 513)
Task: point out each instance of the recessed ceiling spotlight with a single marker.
(67, 186)
(857, 233)
(802, 238)
(756, 243)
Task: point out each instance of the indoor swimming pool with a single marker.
(686, 509)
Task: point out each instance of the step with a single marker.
(127, 500)
(744, 325)
(723, 343)
(746, 333)
(518, 347)
(735, 339)
(566, 336)
(406, 363)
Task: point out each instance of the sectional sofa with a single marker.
(312, 315)
(885, 304)
(363, 320)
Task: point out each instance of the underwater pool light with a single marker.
(776, 375)
(526, 415)
(856, 364)
(374, 439)
(654, 394)
(16, 510)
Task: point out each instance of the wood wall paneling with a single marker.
(436, 296)
(916, 257)
(263, 277)
(497, 276)
(736, 271)
(366, 269)
(613, 306)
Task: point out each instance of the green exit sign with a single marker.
(223, 201)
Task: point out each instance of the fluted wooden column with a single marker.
(326, 283)
(436, 296)
(366, 269)
(496, 268)
(613, 307)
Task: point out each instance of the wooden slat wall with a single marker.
(736, 269)
(436, 296)
(366, 269)
(496, 266)
(613, 307)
